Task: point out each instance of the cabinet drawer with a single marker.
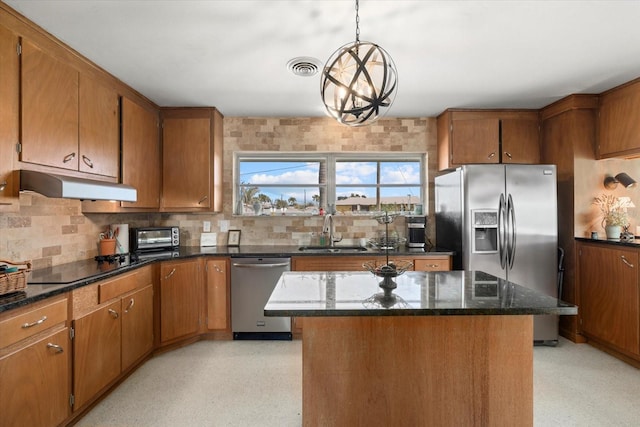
(432, 264)
(116, 287)
(21, 326)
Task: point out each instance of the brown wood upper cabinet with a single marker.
(191, 159)
(487, 136)
(9, 120)
(619, 122)
(69, 121)
(141, 154)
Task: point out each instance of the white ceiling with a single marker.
(464, 54)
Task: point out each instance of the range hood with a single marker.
(67, 187)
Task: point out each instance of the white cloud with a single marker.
(406, 174)
(294, 177)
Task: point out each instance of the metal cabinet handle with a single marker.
(433, 265)
(491, 155)
(37, 322)
(170, 273)
(113, 313)
(508, 154)
(625, 261)
(203, 199)
(130, 306)
(3, 186)
(69, 157)
(56, 347)
(87, 161)
(218, 269)
(276, 265)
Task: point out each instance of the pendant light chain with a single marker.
(357, 23)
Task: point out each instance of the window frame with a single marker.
(331, 158)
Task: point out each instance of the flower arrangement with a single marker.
(614, 210)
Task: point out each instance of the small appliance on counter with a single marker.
(416, 230)
(154, 239)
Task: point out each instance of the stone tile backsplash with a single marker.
(55, 231)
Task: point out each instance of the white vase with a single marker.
(613, 231)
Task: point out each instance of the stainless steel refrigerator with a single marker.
(502, 219)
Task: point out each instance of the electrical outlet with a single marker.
(206, 226)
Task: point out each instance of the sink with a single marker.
(331, 250)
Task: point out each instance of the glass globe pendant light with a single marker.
(359, 82)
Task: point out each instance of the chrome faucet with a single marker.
(329, 229)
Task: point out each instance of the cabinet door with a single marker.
(186, 164)
(137, 325)
(97, 348)
(141, 154)
(432, 264)
(9, 119)
(609, 296)
(181, 291)
(475, 140)
(35, 383)
(99, 129)
(619, 122)
(49, 110)
(218, 294)
(520, 138)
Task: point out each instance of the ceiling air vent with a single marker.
(304, 66)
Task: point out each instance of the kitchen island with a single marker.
(443, 348)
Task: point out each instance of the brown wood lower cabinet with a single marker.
(35, 382)
(137, 325)
(218, 294)
(97, 348)
(113, 330)
(355, 263)
(181, 296)
(609, 304)
(35, 364)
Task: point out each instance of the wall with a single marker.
(54, 231)
(590, 185)
(308, 134)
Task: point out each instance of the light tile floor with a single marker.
(259, 383)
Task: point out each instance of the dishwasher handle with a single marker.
(274, 265)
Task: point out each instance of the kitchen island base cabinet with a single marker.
(418, 370)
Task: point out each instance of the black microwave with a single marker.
(147, 239)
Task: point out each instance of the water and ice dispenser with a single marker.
(484, 229)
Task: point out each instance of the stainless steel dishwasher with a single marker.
(252, 281)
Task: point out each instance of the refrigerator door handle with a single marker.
(502, 230)
(511, 221)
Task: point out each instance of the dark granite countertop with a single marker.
(616, 242)
(418, 293)
(47, 282)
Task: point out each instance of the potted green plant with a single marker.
(614, 214)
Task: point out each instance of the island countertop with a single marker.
(322, 294)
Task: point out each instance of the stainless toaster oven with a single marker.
(147, 239)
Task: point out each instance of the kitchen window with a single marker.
(267, 184)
